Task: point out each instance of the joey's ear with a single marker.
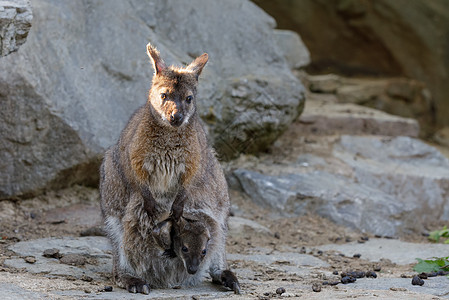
(198, 64)
(158, 63)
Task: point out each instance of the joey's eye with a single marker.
(189, 99)
(184, 249)
(204, 252)
(163, 96)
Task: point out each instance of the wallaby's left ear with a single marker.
(198, 64)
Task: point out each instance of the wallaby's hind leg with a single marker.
(134, 284)
(229, 280)
(219, 269)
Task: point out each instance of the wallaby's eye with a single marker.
(204, 252)
(189, 99)
(163, 96)
(184, 249)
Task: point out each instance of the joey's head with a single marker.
(190, 242)
(173, 92)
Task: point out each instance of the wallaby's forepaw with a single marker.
(135, 285)
(229, 280)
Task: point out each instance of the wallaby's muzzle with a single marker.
(176, 119)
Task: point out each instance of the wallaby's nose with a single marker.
(176, 119)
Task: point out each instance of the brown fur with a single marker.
(161, 160)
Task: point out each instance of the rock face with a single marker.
(65, 97)
(398, 96)
(15, 23)
(391, 185)
(374, 37)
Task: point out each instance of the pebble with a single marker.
(357, 255)
(348, 279)
(316, 287)
(73, 260)
(417, 281)
(370, 274)
(377, 268)
(277, 235)
(108, 288)
(52, 253)
(30, 259)
(86, 278)
(280, 291)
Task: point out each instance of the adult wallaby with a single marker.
(161, 161)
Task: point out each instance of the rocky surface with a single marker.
(291, 264)
(356, 166)
(68, 93)
(398, 96)
(15, 23)
(393, 38)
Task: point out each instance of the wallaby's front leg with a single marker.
(178, 205)
(149, 203)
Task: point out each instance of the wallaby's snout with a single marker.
(192, 265)
(176, 118)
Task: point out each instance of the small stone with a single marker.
(377, 268)
(280, 291)
(370, 274)
(335, 272)
(108, 288)
(316, 287)
(423, 275)
(86, 278)
(333, 282)
(277, 235)
(432, 274)
(357, 255)
(87, 291)
(348, 279)
(30, 259)
(320, 252)
(70, 278)
(364, 238)
(398, 289)
(73, 260)
(52, 253)
(417, 281)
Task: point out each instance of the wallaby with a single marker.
(162, 161)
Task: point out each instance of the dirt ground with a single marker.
(71, 211)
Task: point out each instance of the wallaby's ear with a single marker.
(158, 63)
(198, 64)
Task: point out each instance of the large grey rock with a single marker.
(325, 118)
(337, 198)
(377, 184)
(65, 97)
(293, 47)
(15, 23)
(415, 174)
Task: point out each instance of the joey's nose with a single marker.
(192, 269)
(176, 119)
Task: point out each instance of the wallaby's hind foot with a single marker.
(135, 285)
(229, 280)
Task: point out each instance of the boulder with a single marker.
(293, 47)
(15, 23)
(69, 91)
(381, 185)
